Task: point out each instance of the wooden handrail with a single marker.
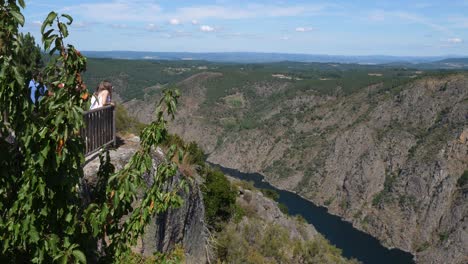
(99, 128)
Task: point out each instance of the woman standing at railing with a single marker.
(102, 96)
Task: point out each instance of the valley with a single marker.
(383, 147)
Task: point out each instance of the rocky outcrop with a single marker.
(184, 226)
(266, 209)
(386, 161)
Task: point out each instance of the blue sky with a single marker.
(415, 28)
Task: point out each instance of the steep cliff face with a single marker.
(184, 226)
(388, 161)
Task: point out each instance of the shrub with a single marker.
(246, 185)
(283, 208)
(256, 241)
(196, 154)
(385, 195)
(125, 124)
(463, 180)
(272, 194)
(219, 198)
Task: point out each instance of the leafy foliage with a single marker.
(132, 77)
(43, 217)
(29, 55)
(258, 242)
(125, 124)
(219, 198)
(272, 194)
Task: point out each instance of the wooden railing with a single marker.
(99, 129)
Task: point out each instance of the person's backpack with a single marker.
(41, 90)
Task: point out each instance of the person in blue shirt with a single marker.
(36, 88)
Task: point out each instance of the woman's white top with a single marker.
(96, 102)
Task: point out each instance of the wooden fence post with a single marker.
(113, 126)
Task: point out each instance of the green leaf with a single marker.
(47, 42)
(79, 255)
(46, 35)
(50, 18)
(48, 21)
(63, 28)
(64, 259)
(33, 235)
(18, 17)
(68, 218)
(70, 19)
(45, 151)
(22, 4)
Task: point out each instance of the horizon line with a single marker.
(289, 53)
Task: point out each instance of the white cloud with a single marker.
(285, 38)
(303, 29)
(454, 40)
(206, 28)
(151, 27)
(194, 22)
(174, 21)
(37, 23)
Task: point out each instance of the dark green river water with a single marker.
(353, 243)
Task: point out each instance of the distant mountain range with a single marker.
(256, 57)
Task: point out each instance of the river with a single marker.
(353, 243)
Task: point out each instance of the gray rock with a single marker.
(182, 226)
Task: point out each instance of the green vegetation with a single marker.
(270, 194)
(407, 200)
(193, 154)
(258, 242)
(463, 180)
(422, 247)
(284, 209)
(384, 196)
(130, 77)
(176, 256)
(29, 56)
(247, 185)
(219, 197)
(280, 168)
(44, 218)
(125, 124)
(443, 236)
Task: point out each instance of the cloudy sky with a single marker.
(360, 27)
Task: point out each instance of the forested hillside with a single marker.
(134, 79)
(383, 147)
